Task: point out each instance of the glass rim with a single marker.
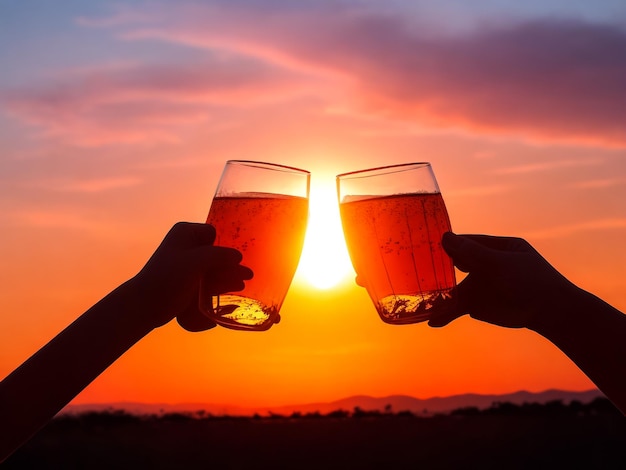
(386, 169)
(269, 166)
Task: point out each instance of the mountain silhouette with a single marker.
(393, 403)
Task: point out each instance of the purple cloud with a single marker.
(555, 80)
(137, 102)
(544, 79)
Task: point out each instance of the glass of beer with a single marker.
(393, 219)
(261, 209)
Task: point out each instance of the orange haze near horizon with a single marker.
(104, 147)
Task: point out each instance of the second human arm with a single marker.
(167, 287)
(510, 284)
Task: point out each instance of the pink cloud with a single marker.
(547, 165)
(546, 79)
(480, 191)
(600, 183)
(92, 185)
(563, 231)
(129, 103)
(90, 124)
(62, 218)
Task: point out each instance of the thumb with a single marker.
(469, 255)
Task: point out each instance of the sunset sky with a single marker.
(116, 119)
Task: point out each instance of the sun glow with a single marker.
(325, 261)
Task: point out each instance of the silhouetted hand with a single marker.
(169, 282)
(165, 288)
(509, 283)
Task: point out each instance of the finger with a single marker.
(215, 258)
(221, 286)
(442, 319)
(468, 254)
(191, 319)
(232, 280)
(245, 272)
(500, 243)
(471, 294)
(202, 234)
(467, 296)
(224, 255)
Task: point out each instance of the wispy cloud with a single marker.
(129, 103)
(89, 185)
(600, 183)
(562, 231)
(60, 218)
(486, 190)
(544, 79)
(545, 165)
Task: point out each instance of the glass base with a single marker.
(401, 309)
(241, 313)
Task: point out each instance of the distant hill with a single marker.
(397, 403)
(439, 404)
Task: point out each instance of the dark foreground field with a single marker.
(505, 436)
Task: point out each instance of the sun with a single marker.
(325, 261)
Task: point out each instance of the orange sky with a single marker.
(118, 123)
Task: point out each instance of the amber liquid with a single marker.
(269, 232)
(395, 248)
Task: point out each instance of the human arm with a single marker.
(165, 288)
(510, 284)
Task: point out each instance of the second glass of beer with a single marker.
(260, 209)
(393, 219)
